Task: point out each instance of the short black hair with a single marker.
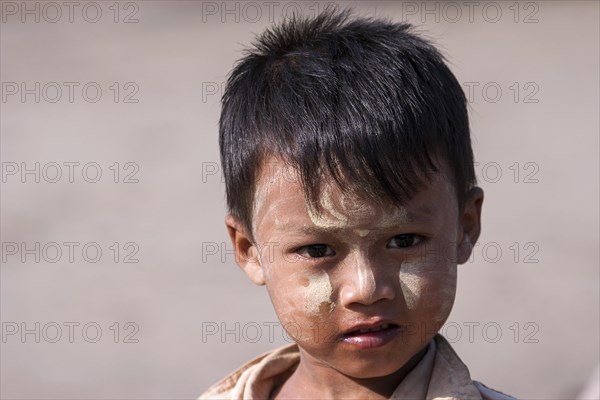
(364, 100)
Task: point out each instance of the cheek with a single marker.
(429, 289)
(317, 294)
(301, 296)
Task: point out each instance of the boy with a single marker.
(351, 192)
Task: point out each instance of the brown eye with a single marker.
(316, 251)
(405, 240)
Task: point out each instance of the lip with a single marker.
(370, 324)
(371, 339)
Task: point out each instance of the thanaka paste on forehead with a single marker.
(339, 214)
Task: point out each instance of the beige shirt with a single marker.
(440, 375)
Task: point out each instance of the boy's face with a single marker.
(357, 265)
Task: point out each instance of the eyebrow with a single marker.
(424, 213)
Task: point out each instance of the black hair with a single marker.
(364, 100)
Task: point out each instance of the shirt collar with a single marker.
(440, 375)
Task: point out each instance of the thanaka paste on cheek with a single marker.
(318, 294)
(414, 284)
(410, 284)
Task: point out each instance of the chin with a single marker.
(370, 369)
(371, 373)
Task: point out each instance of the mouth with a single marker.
(370, 336)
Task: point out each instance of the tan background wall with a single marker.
(173, 60)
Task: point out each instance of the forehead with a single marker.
(280, 202)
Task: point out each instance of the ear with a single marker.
(246, 254)
(470, 223)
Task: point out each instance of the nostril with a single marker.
(364, 281)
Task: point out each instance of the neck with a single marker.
(316, 380)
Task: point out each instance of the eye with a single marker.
(316, 251)
(405, 240)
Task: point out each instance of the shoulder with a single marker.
(458, 373)
(491, 394)
(251, 376)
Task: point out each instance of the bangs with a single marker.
(364, 101)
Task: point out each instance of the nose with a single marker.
(364, 282)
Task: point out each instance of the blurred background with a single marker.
(118, 280)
